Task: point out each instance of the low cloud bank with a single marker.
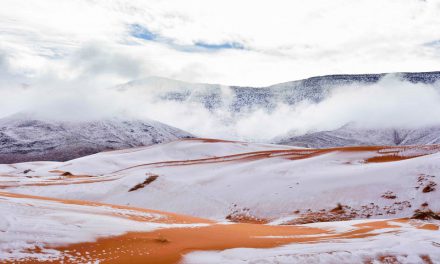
(91, 94)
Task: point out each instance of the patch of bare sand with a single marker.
(169, 245)
(389, 158)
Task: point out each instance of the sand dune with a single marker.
(167, 242)
(213, 201)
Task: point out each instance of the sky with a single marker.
(62, 59)
(249, 43)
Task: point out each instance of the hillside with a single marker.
(28, 138)
(352, 135)
(238, 99)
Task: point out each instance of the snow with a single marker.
(354, 135)
(214, 179)
(107, 162)
(29, 223)
(236, 99)
(201, 178)
(25, 137)
(405, 243)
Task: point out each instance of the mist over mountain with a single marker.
(239, 99)
(258, 114)
(352, 135)
(400, 100)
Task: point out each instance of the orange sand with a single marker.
(169, 245)
(169, 218)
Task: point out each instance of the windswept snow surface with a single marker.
(218, 179)
(30, 223)
(271, 190)
(38, 229)
(399, 244)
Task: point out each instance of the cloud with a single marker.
(255, 43)
(96, 59)
(390, 103)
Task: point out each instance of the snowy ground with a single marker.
(38, 229)
(29, 223)
(214, 180)
(228, 181)
(400, 244)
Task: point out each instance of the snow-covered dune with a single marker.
(38, 229)
(31, 225)
(245, 182)
(141, 205)
(393, 242)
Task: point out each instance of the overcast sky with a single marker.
(244, 42)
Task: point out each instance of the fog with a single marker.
(389, 103)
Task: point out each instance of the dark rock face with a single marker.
(29, 139)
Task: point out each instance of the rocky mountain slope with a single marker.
(352, 135)
(237, 99)
(28, 138)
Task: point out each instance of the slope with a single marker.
(28, 138)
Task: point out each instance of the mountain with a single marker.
(352, 135)
(28, 138)
(237, 99)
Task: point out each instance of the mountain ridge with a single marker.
(30, 138)
(242, 98)
(352, 135)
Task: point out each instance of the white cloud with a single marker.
(285, 40)
(390, 103)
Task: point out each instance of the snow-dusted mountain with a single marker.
(28, 138)
(236, 98)
(352, 135)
